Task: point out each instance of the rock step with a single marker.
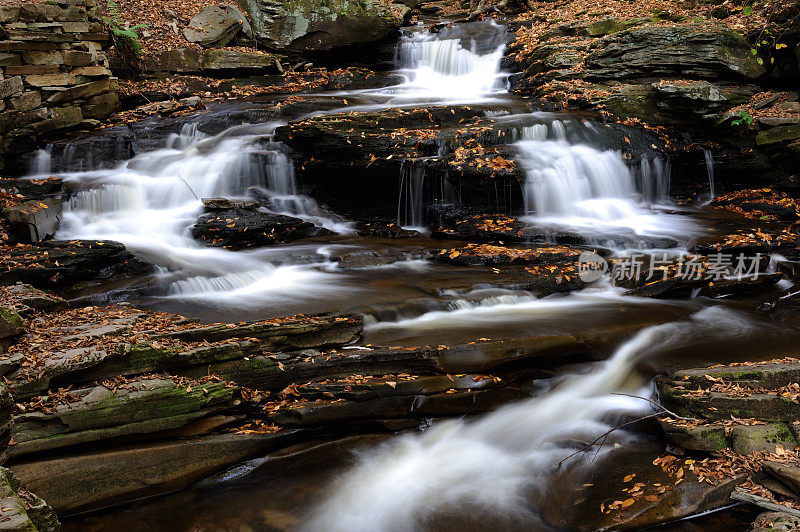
(404, 397)
(92, 480)
(716, 406)
(140, 406)
(767, 375)
(125, 342)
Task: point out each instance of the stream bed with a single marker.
(579, 186)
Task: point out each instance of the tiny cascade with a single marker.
(710, 171)
(411, 205)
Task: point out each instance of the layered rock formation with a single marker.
(55, 72)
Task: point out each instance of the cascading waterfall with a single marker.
(499, 462)
(452, 65)
(41, 162)
(149, 203)
(577, 186)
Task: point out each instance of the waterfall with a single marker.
(189, 136)
(575, 185)
(710, 170)
(41, 162)
(150, 202)
(410, 205)
(494, 465)
(457, 64)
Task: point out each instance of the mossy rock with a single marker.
(779, 135)
(748, 438)
(11, 323)
(23, 511)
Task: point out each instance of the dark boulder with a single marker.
(59, 264)
(242, 225)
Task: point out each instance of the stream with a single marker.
(496, 471)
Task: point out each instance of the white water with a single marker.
(495, 465)
(150, 202)
(411, 206)
(450, 66)
(576, 186)
(710, 171)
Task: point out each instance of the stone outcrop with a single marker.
(317, 26)
(674, 51)
(55, 72)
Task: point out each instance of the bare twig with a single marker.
(605, 435)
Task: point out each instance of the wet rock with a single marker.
(651, 496)
(59, 264)
(22, 510)
(33, 221)
(278, 371)
(313, 25)
(454, 401)
(33, 188)
(242, 227)
(661, 51)
(776, 522)
(213, 27)
(486, 228)
(378, 151)
(141, 406)
(489, 355)
(486, 255)
(365, 259)
(390, 230)
(98, 478)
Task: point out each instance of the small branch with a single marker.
(605, 435)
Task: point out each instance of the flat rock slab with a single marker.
(142, 406)
(85, 345)
(451, 403)
(25, 299)
(767, 374)
(59, 264)
(99, 478)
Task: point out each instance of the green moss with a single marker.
(15, 323)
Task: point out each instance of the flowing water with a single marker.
(500, 466)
